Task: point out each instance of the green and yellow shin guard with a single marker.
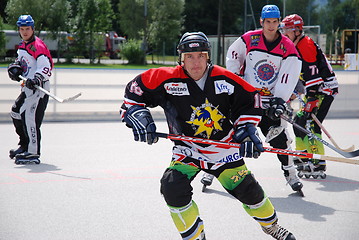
(187, 221)
(263, 212)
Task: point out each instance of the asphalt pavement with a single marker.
(96, 183)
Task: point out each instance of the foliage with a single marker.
(132, 19)
(133, 52)
(167, 19)
(92, 16)
(166, 23)
(2, 39)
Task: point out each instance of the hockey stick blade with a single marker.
(60, 100)
(349, 149)
(72, 98)
(227, 145)
(310, 134)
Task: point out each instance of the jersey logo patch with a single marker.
(265, 72)
(221, 86)
(25, 66)
(178, 89)
(206, 120)
(264, 91)
(255, 40)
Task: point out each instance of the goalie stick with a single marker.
(221, 144)
(322, 127)
(310, 134)
(60, 100)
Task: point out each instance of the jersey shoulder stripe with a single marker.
(36, 48)
(154, 77)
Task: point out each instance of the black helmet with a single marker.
(193, 42)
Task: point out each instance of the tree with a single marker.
(166, 22)
(93, 16)
(53, 20)
(132, 19)
(2, 39)
(15, 8)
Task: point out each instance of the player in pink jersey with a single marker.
(35, 63)
(270, 62)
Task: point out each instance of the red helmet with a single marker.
(293, 21)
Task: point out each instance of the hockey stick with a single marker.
(60, 100)
(322, 127)
(310, 134)
(330, 137)
(266, 149)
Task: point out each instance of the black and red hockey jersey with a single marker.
(225, 102)
(316, 70)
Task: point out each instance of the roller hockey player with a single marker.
(202, 100)
(320, 88)
(269, 61)
(35, 63)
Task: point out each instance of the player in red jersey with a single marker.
(202, 100)
(321, 86)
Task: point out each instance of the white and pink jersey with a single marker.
(35, 58)
(273, 72)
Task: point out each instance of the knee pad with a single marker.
(248, 191)
(176, 188)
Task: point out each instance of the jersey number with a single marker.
(284, 78)
(46, 71)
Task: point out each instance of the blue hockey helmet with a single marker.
(194, 42)
(25, 20)
(270, 11)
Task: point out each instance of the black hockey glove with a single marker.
(36, 81)
(15, 70)
(251, 144)
(277, 107)
(140, 120)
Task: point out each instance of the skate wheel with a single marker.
(300, 175)
(307, 175)
(324, 176)
(315, 176)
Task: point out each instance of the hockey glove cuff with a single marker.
(251, 144)
(14, 70)
(140, 120)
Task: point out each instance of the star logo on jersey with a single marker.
(206, 120)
